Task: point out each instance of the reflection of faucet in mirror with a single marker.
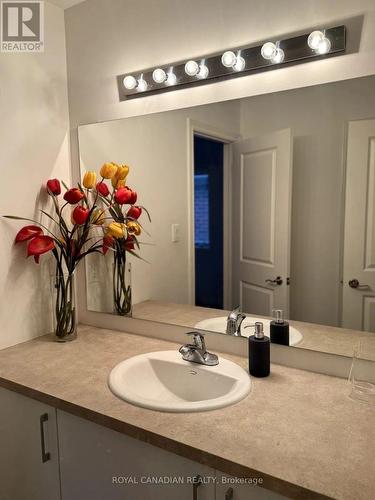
(234, 322)
(196, 352)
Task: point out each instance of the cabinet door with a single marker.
(98, 463)
(29, 468)
(230, 488)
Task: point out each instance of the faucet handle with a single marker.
(234, 313)
(198, 340)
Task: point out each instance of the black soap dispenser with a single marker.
(279, 329)
(259, 352)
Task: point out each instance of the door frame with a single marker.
(227, 138)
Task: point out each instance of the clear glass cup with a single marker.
(362, 373)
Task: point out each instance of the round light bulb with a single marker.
(191, 68)
(129, 82)
(203, 71)
(142, 85)
(315, 38)
(239, 65)
(268, 50)
(159, 76)
(171, 79)
(228, 59)
(279, 56)
(324, 46)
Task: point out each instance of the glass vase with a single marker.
(122, 290)
(64, 302)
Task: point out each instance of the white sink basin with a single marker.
(164, 381)
(219, 324)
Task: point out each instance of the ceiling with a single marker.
(65, 4)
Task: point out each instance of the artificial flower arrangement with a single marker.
(101, 218)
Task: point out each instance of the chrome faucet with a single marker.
(196, 352)
(234, 322)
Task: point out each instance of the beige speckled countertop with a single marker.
(298, 430)
(330, 339)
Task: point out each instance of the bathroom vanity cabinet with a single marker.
(29, 462)
(98, 463)
(48, 454)
(103, 440)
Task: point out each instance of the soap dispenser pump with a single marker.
(259, 352)
(279, 329)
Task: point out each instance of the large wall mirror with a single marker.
(265, 203)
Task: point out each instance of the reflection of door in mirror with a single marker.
(208, 222)
(262, 175)
(359, 241)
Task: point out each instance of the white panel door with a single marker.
(262, 178)
(98, 463)
(359, 240)
(29, 463)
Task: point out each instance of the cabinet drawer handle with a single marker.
(45, 454)
(229, 494)
(197, 481)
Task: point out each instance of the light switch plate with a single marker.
(175, 233)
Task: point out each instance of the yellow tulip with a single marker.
(122, 172)
(98, 217)
(134, 228)
(117, 183)
(117, 230)
(89, 180)
(108, 170)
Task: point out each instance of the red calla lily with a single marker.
(40, 245)
(27, 233)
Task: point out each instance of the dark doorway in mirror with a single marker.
(208, 221)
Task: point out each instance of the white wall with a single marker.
(34, 147)
(155, 147)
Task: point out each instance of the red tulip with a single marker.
(73, 196)
(107, 243)
(133, 198)
(134, 212)
(28, 232)
(39, 245)
(129, 243)
(53, 187)
(80, 215)
(102, 189)
(123, 195)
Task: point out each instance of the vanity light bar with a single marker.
(316, 44)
